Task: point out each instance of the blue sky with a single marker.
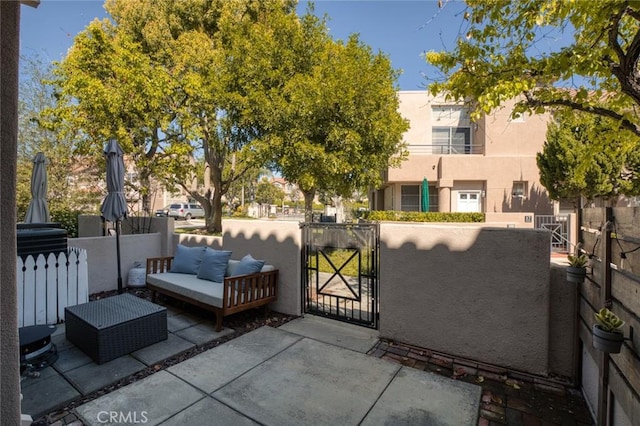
(401, 29)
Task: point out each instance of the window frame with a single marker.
(523, 184)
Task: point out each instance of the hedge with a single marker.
(390, 215)
(68, 219)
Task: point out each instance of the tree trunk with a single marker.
(308, 205)
(214, 220)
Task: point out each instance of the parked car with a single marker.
(163, 212)
(185, 211)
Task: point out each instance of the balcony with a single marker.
(453, 149)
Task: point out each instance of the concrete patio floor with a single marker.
(275, 377)
(75, 375)
(312, 369)
(309, 371)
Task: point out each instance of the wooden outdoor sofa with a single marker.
(235, 294)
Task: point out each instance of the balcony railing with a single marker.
(456, 149)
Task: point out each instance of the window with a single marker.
(451, 140)
(451, 130)
(519, 189)
(410, 198)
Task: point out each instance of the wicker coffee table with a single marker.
(109, 328)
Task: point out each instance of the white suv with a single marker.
(185, 211)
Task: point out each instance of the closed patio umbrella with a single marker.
(424, 199)
(38, 211)
(114, 206)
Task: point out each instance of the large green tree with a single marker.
(167, 79)
(334, 125)
(575, 163)
(533, 50)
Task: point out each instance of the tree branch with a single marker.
(605, 112)
(613, 37)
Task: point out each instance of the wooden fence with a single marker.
(46, 285)
(611, 382)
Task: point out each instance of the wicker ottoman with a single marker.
(109, 328)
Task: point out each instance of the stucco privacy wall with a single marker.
(93, 226)
(480, 293)
(277, 242)
(102, 261)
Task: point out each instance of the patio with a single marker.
(307, 371)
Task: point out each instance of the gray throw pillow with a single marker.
(187, 259)
(214, 265)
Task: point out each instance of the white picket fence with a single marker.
(47, 285)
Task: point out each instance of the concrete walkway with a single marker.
(310, 371)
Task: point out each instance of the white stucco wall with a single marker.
(102, 260)
(278, 242)
(469, 290)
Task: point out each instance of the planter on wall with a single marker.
(576, 275)
(607, 341)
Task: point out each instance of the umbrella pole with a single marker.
(118, 255)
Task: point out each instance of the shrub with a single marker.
(68, 219)
(397, 216)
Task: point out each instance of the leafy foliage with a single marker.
(578, 260)
(607, 320)
(516, 50)
(575, 162)
(68, 219)
(267, 193)
(333, 125)
(36, 97)
(400, 216)
(201, 94)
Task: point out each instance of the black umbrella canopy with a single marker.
(38, 211)
(114, 206)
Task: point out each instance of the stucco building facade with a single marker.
(487, 165)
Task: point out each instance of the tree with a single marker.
(334, 125)
(36, 97)
(108, 88)
(268, 193)
(171, 80)
(502, 56)
(574, 163)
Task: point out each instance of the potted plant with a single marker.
(577, 269)
(607, 335)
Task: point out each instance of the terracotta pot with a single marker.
(607, 341)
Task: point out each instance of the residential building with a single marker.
(487, 165)
(291, 190)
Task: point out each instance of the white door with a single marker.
(469, 202)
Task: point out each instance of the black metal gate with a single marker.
(340, 271)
